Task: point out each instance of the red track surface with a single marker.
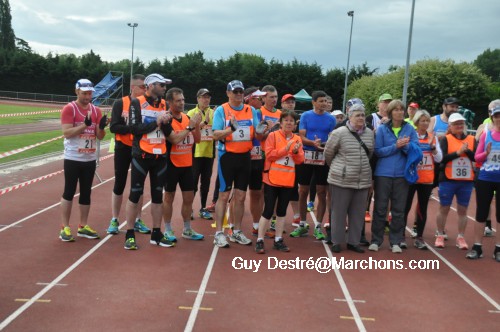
(155, 288)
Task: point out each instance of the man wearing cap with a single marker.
(204, 150)
(411, 110)
(179, 165)
(150, 124)
(123, 154)
(82, 123)
(339, 116)
(234, 128)
(374, 120)
(439, 123)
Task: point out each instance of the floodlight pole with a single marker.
(351, 14)
(133, 26)
(407, 67)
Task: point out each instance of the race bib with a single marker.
(256, 153)
(286, 161)
(241, 134)
(87, 143)
(492, 162)
(427, 161)
(186, 143)
(207, 134)
(156, 137)
(461, 168)
(314, 157)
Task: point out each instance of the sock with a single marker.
(460, 235)
(168, 226)
(260, 239)
(296, 216)
(130, 233)
(277, 238)
(137, 219)
(187, 224)
(255, 225)
(488, 223)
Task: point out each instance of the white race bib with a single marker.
(256, 153)
(314, 157)
(207, 134)
(241, 134)
(87, 143)
(286, 161)
(461, 168)
(156, 137)
(427, 161)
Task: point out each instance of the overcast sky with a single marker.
(307, 30)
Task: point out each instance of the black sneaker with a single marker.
(281, 246)
(475, 253)
(259, 247)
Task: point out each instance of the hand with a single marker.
(233, 123)
(207, 116)
(402, 142)
(317, 142)
(296, 147)
(195, 120)
(462, 149)
(103, 122)
(88, 120)
(288, 145)
(488, 148)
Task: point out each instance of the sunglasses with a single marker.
(162, 84)
(238, 92)
(85, 85)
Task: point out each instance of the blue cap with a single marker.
(233, 85)
(354, 101)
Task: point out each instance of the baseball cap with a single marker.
(450, 100)
(337, 112)
(156, 78)
(203, 92)
(84, 85)
(385, 96)
(287, 96)
(455, 117)
(414, 105)
(235, 84)
(256, 93)
(496, 110)
(354, 101)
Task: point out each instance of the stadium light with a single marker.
(133, 26)
(351, 14)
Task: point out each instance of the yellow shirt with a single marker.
(206, 147)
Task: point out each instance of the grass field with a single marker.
(10, 109)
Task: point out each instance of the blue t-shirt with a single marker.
(440, 127)
(220, 122)
(317, 126)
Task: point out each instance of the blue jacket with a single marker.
(391, 160)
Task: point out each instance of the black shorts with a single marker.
(305, 173)
(257, 167)
(157, 170)
(234, 168)
(179, 175)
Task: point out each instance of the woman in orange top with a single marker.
(283, 150)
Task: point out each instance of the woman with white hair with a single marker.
(432, 155)
(348, 152)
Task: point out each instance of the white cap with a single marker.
(84, 85)
(456, 117)
(156, 78)
(337, 112)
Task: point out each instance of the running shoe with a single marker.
(488, 231)
(141, 227)
(87, 232)
(65, 235)
(273, 223)
(190, 234)
(475, 253)
(204, 214)
(113, 226)
(496, 256)
(170, 236)
(130, 244)
(403, 245)
(396, 249)
(240, 238)
(413, 232)
(211, 207)
(299, 231)
(163, 242)
(259, 247)
(420, 244)
(439, 243)
(310, 206)
(220, 240)
(318, 234)
(373, 247)
(461, 244)
(368, 217)
(281, 246)
(444, 234)
(270, 234)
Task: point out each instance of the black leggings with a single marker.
(78, 171)
(271, 194)
(485, 190)
(122, 158)
(157, 169)
(202, 168)
(423, 194)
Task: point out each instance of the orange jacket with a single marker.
(459, 169)
(181, 154)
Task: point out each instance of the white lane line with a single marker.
(463, 276)
(55, 282)
(201, 292)
(46, 209)
(350, 302)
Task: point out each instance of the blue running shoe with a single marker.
(169, 235)
(310, 206)
(141, 227)
(205, 214)
(113, 226)
(190, 234)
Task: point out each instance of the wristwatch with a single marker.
(189, 128)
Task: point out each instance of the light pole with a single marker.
(351, 14)
(133, 26)
(407, 68)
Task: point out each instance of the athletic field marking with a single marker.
(46, 283)
(190, 308)
(357, 318)
(344, 300)
(195, 291)
(494, 311)
(55, 282)
(362, 318)
(463, 276)
(38, 301)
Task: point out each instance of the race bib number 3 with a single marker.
(241, 134)
(314, 158)
(87, 143)
(256, 153)
(286, 161)
(461, 168)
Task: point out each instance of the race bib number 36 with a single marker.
(314, 157)
(461, 168)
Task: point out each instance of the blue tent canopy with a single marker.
(105, 88)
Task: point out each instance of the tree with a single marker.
(7, 37)
(489, 63)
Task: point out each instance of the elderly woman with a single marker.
(488, 181)
(432, 155)
(456, 177)
(348, 152)
(392, 145)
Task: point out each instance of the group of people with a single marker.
(280, 157)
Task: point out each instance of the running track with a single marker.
(89, 285)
